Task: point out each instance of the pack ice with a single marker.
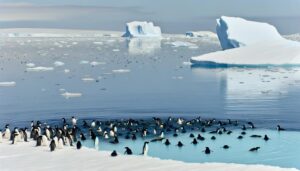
(142, 29)
(250, 43)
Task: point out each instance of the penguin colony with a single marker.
(72, 132)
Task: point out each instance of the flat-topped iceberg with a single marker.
(142, 29)
(259, 44)
(236, 32)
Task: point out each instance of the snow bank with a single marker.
(7, 84)
(260, 44)
(142, 29)
(25, 156)
(236, 32)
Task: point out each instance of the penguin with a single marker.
(128, 151)
(7, 133)
(207, 150)
(162, 135)
(226, 146)
(60, 143)
(229, 132)
(44, 140)
(254, 149)
(115, 141)
(52, 145)
(114, 154)
(244, 128)
(145, 148)
(96, 143)
(82, 137)
(251, 125)
(167, 142)
(279, 128)
(111, 133)
(39, 141)
(192, 135)
(199, 137)
(175, 135)
(179, 144)
(243, 133)
(78, 145)
(25, 134)
(93, 124)
(255, 136)
(47, 133)
(266, 138)
(240, 137)
(64, 120)
(74, 121)
(15, 136)
(133, 137)
(213, 138)
(195, 142)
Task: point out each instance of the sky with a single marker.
(174, 16)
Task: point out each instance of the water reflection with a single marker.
(140, 46)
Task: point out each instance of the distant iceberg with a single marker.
(142, 29)
(236, 32)
(253, 43)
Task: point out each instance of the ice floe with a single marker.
(58, 63)
(40, 68)
(7, 84)
(30, 65)
(71, 95)
(121, 70)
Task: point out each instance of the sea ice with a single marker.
(7, 84)
(58, 63)
(40, 68)
(142, 29)
(30, 65)
(183, 44)
(121, 70)
(70, 95)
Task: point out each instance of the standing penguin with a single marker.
(60, 143)
(52, 145)
(207, 150)
(39, 141)
(78, 145)
(114, 153)
(15, 136)
(45, 141)
(25, 134)
(7, 132)
(74, 121)
(128, 151)
(145, 148)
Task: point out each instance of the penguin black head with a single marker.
(167, 142)
(7, 125)
(179, 144)
(194, 141)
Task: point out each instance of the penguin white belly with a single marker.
(60, 144)
(7, 134)
(45, 140)
(145, 152)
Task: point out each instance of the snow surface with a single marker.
(142, 29)
(236, 32)
(25, 156)
(260, 44)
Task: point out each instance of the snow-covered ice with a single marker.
(236, 32)
(40, 68)
(142, 29)
(260, 44)
(7, 84)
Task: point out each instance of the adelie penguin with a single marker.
(254, 149)
(114, 154)
(145, 148)
(226, 146)
(78, 145)
(279, 128)
(167, 142)
(199, 137)
(39, 141)
(128, 151)
(179, 144)
(266, 138)
(52, 145)
(82, 137)
(207, 150)
(195, 142)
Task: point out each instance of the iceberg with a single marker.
(142, 29)
(250, 43)
(236, 32)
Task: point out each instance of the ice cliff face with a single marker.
(237, 32)
(142, 29)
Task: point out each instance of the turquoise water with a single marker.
(281, 150)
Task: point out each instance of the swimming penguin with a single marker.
(244, 128)
(213, 138)
(207, 150)
(279, 128)
(52, 145)
(128, 151)
(145, 148)
(243, 133)
(226, 146)
(194, 141)
(199, 137)
(254, 149)
(78, 145)
(192, 135)
(167, 142)
(240, 137)
(179, 144)
(255, 136)
(114, 153)
(39, 141)
(266, 138)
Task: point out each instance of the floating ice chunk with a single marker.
(40, 68)
(236, 32)
(71, 95)
(142, 29)
(183, 44)
(7, 84)
(84, 62)
(98, 43)
(186, 63)
(95, 63)
(66, 70)
(121, 70)
(30, 65)
(58, 63)
(87, 79)
(177, 77)
(116, 50)
(202, 34)
(62, 90)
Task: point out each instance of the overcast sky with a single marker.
(174, 16)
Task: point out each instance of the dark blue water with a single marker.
(158, 82)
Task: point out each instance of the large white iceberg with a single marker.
(142, 29)
(236, 32)
(259, 44)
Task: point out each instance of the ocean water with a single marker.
(140, 78)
